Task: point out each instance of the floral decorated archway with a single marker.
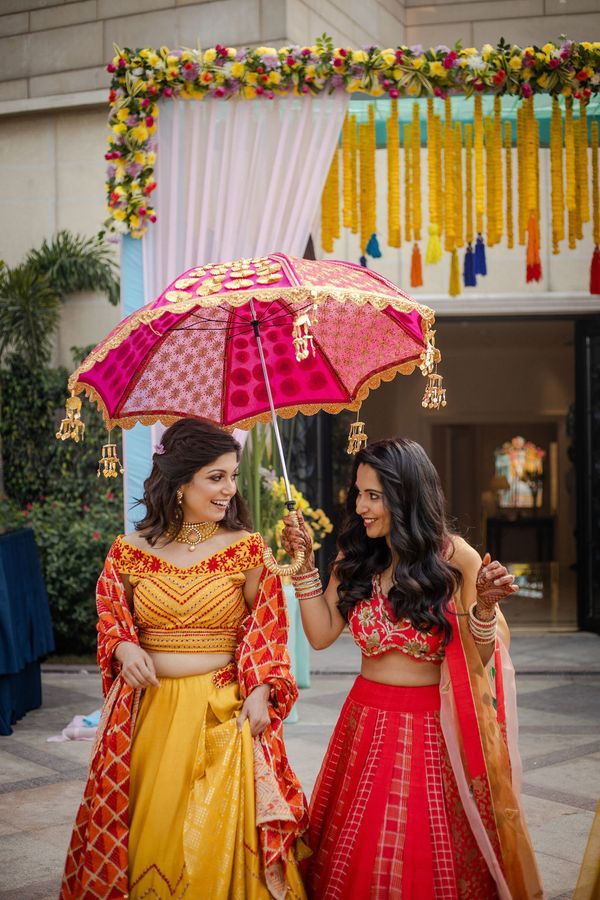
(474, 166)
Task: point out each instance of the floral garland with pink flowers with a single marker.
(142, 77)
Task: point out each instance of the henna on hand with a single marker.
(493, 583)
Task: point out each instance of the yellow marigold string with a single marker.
(490, 180)
(458, 186)
(570, 153)
(479, 176)
(330, 208)
(449, 183)
(408, 191)
(510, 237)
(530, 158)
(556, 176)
(433, 252)
(353, 141)
(469, 236)
(371, 179)
(346, 174)
(582, 163)
(521, 174)
(577, 211)
(498, 166)
(364, 194)
(416, 171)
(595, 190)
(393, 161)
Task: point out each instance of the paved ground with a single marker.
(559, 701)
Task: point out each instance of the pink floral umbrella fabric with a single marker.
(193, 352)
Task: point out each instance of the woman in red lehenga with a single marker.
(417, 797)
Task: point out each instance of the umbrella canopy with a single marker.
(330, 332)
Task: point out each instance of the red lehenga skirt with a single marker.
(386, 820)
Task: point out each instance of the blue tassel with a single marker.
(373, 247)
(480, 264)
(363, 262)
(469, 268)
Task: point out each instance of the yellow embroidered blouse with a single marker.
(192, 609)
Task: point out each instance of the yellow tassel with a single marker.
(416, 171)
(393, 161)
(454, 288)
(433, 253)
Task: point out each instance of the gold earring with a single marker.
(179, 496)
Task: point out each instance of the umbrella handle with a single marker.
(284, 571)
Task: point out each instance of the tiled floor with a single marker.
(559, 701)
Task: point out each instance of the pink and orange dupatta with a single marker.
(481, 737)
(97, 859)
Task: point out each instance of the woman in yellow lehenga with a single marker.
(190, 792)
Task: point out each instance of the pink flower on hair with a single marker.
(159, 449)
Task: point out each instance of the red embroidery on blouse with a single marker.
(375, 631)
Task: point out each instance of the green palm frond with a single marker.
(29, 314)
(74, 263)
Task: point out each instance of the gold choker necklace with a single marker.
(194, 533)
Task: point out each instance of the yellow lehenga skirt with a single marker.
(192, 812)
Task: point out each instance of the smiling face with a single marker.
(370, 504)
(207, 496)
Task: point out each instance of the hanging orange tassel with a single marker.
(534, 263)
(454, 287)
(416, 267)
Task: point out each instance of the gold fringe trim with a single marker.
(286, 412)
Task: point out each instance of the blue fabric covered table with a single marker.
(25, 627)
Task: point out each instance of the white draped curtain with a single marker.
(237, 178)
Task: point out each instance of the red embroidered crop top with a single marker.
(189, 609)
(375, 630)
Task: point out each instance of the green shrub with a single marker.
(73, 539)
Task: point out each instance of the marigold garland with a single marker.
(469, 236)
(458, 186)
(415, 160)
(407, 134)
(140, 78)
(577, 223)
(393, 161)
(433, 252)
(354, 173)
(346, 173)
(490, 181)
(570, 154)
(521, 192)
(498, 166)
(556, 176)
(582, 162)
(510, 237)
(330, 207)
(449, 180)
(479, 176)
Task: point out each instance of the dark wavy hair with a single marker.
(424, 580)
(188, 445)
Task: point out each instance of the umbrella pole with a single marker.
(256, 328)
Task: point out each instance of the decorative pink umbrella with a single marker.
(240, 342)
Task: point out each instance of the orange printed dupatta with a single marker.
(480, 732)
(97, 860)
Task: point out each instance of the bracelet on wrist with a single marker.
(482, 631)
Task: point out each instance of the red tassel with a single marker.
(534, 263)
(595, 272)
(416, 268)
